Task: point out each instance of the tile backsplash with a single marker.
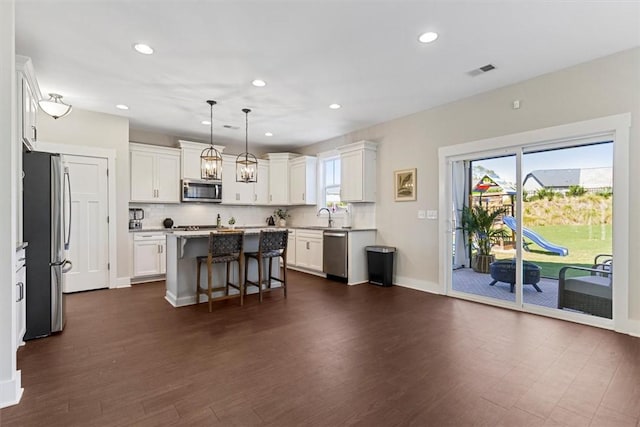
(362, 215)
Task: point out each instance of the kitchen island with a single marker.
(182, 249)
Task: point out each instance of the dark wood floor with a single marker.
(328, 355)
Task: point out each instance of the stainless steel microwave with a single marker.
(201, 191)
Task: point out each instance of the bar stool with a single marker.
(223, 248)
(272, 244)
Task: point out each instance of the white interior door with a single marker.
(89, 245)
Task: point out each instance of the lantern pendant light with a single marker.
(246, 163)
(210, 158)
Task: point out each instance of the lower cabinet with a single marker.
(309, 249)
(291, 248)
(21, 298)
(149, 254)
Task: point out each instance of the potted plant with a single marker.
(478, 226)
(232, 222)
(281, 215)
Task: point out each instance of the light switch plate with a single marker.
(422, 214)
(432, 214)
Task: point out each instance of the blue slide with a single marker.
(535, 237)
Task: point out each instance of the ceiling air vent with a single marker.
(481, 70)
(230, 127)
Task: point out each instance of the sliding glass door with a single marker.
(484, 194)
(533, 228)
(567, 228)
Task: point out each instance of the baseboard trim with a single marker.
(418, 285)
(633, 328)
(11, 390)
(179, 302)
(123, 282)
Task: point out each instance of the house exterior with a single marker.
(591, 179)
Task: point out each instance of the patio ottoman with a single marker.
(505, 271)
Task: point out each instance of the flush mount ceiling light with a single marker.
(246, 163)
(268, 134)
(428, 37)
(335, 106)
(210, 158)
(54, 106)
(259, 83)
(205, 122)
(142, 48)
(122, 107)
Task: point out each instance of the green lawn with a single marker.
(583, 241)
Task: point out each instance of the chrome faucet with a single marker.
(329, 212)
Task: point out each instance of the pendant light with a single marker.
(54, 106)
(210, 158)
(246, 163)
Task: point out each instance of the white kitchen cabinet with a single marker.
(243, 193)
(21, 297)
(358, 172)
(279, 178)
(309, 249)
(149, 254)
(261, 189)
(190, 153)
(155, 174)
(291, 248)
(302, 180)
(28, 95)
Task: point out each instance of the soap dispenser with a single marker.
(218, 221)
(346, 221)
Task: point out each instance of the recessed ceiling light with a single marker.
(428, 37)
(335, 106)
(259, 83)
(268, 134)
(206, 122)
(142, 48)
(122, 107)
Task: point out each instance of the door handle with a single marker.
(35, 133)
(271, 197)
(307, 245)
(67, 266)
(68, 179)
(302, 196)
(20, 286)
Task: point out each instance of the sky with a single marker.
(590, 156)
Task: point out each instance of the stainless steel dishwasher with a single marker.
(334, 253)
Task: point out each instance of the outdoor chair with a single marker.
(592, 293)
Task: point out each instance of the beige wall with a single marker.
(103, 131)
(603, 87)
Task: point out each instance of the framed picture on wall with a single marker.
(405, 188)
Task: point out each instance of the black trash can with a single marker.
(380, 263)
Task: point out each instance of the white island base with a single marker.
(182, 249)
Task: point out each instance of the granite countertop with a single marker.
(21, 245)
(249, 228)
(316, 227)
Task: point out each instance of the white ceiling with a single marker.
(361, 54)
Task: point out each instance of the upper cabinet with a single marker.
(279, 178)
(244, 193)
(28, 96)
(191, 152)
(358, 172)
(302, 180)
(155, 174)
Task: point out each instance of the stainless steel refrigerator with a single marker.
(47, 229)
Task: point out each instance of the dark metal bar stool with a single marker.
(223, 248)
(272, 244)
